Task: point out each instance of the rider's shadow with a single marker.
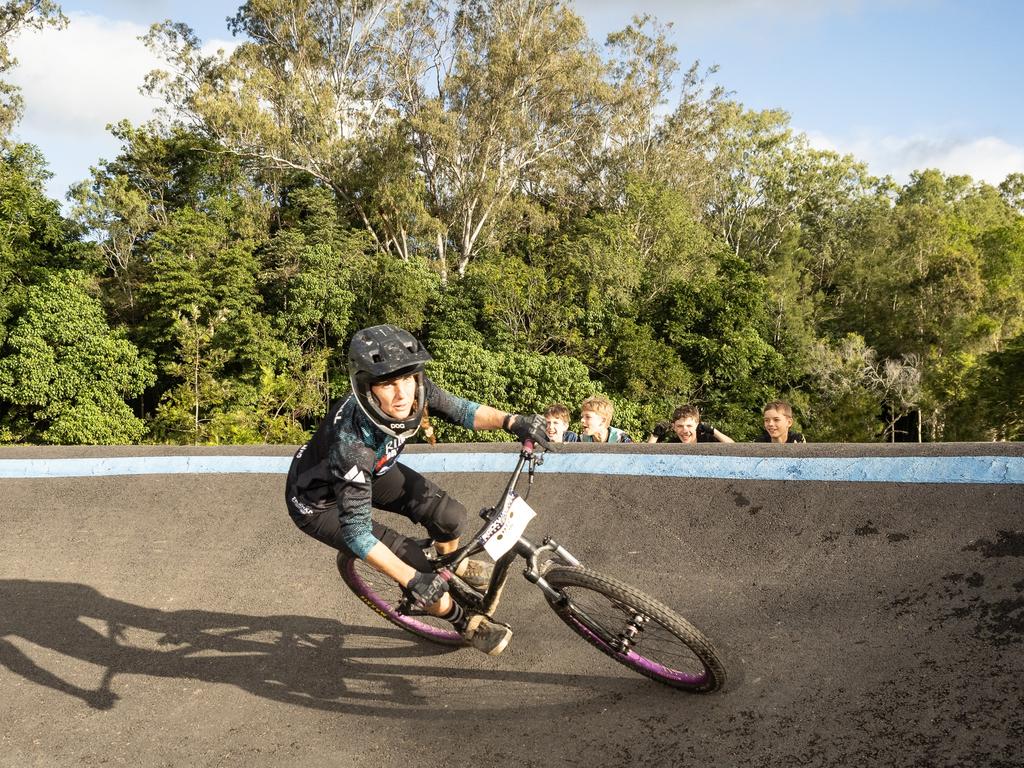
(318, 663)
(314, 662)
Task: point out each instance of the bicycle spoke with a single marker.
(635, 630)
(653, 642)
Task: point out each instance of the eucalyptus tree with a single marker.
(1012, 191)
(841, 405)
(752, 200)
(300, 91)
(513, 107)
(897, 383)
(426, 120)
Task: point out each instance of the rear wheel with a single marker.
(383, 595)
(635, 630)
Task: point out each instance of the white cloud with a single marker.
(84, 76)
(75, 82)
(984, 158)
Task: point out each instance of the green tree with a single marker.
(641, 66)
(207, 405)
(755, 195)
(1002, 268)
(305, 91)
(157, 173)
(308, 278)
(1000, 390)
(1012, 191)
(64, 374)
(622, 262)
(951, 401)
(518, 382)
(34, 237)
(719, 326)
(184, 411)
(492, 98)
(842, 406)
(517, 101)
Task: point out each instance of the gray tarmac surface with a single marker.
(184, 621)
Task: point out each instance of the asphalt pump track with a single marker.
(182, 620)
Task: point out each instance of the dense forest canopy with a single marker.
(554, 217)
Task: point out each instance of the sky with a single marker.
(902, 85)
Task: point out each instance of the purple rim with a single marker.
(366, 591)
(634, 659)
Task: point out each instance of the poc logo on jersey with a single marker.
(399, 425)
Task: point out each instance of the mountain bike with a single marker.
(619, 620)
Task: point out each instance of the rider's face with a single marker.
(396, 396)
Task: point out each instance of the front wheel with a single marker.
(383, 595)
(635, 630)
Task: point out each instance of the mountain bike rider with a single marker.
(351, 465)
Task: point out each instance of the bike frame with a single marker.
(608, 613)
(487, 602)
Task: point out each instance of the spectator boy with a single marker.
(686, 427)
(778, 418)
(556, 419)
(595, 420)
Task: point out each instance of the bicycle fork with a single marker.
(622, 642)
(532, 553)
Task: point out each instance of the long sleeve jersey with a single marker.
(337, 466)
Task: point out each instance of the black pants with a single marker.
(407, 493)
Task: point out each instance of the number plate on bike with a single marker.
(505, 531)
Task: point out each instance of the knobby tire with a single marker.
(382, 594)
(668, 649)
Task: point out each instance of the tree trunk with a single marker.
(195, 385)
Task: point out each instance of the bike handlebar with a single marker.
(527, 457)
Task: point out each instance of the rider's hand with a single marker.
(661, 429)
(705, 430)
(425, 589)
(532, 427)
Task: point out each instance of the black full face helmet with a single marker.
(382, 353)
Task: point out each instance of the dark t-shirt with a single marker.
(672, 437)
(794, 437)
